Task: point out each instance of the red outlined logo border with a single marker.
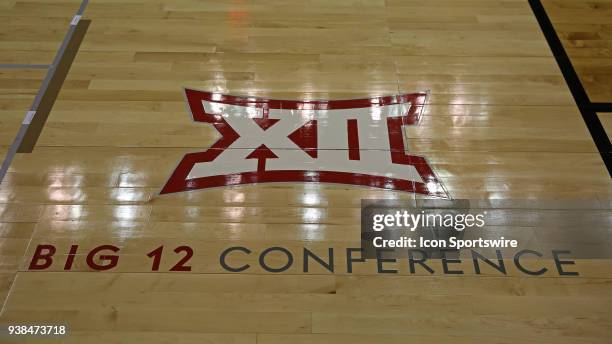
(178, 181)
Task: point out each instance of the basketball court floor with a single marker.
(135, 141)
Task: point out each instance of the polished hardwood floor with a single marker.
(500, 123)
(585, 31)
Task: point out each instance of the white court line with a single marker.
(10, 155)
(31, 114)
(23, 66)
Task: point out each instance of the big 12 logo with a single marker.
(356, 142)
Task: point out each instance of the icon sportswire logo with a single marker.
(356, 142)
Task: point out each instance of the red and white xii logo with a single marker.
(357, 142)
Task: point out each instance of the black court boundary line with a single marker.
(601, 107)
(587, 109)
